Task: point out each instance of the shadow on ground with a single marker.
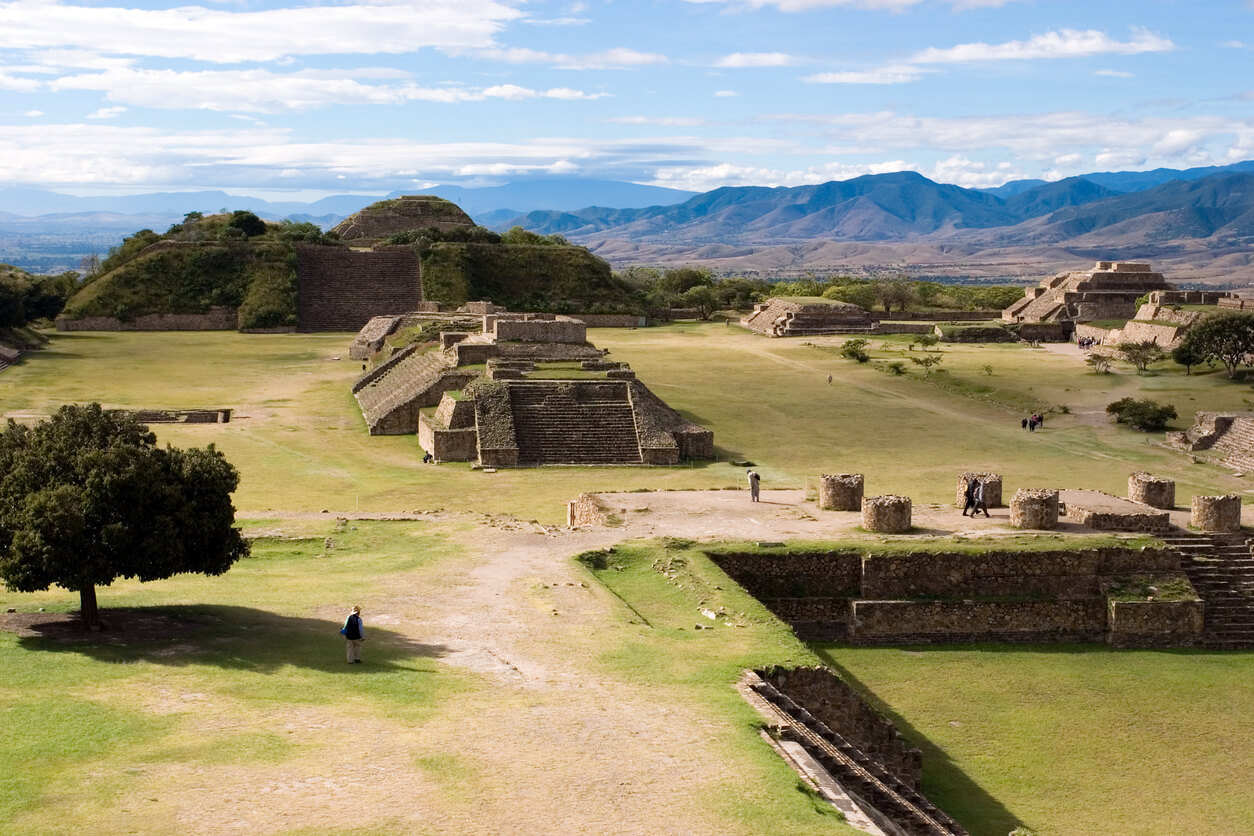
(980, 813)
(239, 638)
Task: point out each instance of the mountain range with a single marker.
(1196, 223)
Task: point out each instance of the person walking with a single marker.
(754, 479)
(1024, 423)
(354, 635)
(981, 503)
(969, 497)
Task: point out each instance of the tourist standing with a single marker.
(354, 635)
(1024, 423)
(754, 479)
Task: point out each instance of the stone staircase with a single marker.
(341, 289)
(1221, 569)
(909, 811)
(1237, 445)
(574, 423)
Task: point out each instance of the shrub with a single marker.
(1099, 362)
(1141, 354)
(1144, 415)
(855, 350)
(896, 367)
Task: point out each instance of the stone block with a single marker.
(992, 488)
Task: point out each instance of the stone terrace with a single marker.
(795, 317)
(568, 423)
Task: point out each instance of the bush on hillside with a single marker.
(1144, 415)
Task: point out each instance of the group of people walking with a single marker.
(975, 499)
(1032, 422)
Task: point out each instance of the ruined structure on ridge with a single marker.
(807, 316)
(527, 390)
(1108, 291)
(388, 217)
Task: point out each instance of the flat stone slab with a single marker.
(1105, 512)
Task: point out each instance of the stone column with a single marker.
(1036, 509)
(1217, 513)
(886, 514)
(992, 488)
(1151, 490)
(840, 492)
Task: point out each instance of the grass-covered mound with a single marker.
(524, 277)
(234, 260)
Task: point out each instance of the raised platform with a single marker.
(1104, 512)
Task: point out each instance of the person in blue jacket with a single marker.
(354, 635)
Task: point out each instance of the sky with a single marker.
(270, 97)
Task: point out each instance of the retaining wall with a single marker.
(922, 622)
(216, 319)
(341, 289)
(1154, 623)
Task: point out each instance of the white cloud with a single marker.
(107, 113)
(618, 58)
(1113, 73)
(756, 59)
(262, 91)
(725, 94)
(891, 74)
(1065, 43)
(18, 84)
(33, 113)
(666, 121)
(222, 36)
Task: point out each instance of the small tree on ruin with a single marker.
(1141, 354)
(88, 497)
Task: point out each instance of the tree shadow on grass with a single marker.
(239, 638)
(965, 800)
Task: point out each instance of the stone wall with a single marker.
(1165, 337)
(445, 444)
(1045, 332)
(841, 492)
(1191, 297)
(611, 320)
(888, 514)
(561, 330)
(794, 574)
(1034, 509)
(1103, 520)
(903, 328)
(1092, 332)
(936, 316)
(341, 289)
(1217, 513)
(1062, 572)
(923, 622)
(216, 319)
(838, 706)
(1154, 623)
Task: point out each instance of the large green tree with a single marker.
(88, 497)
(1228, 338)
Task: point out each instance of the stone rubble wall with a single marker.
(838, 706)
(1217, 513)
(372, 336)
(611, 320)
(924, 622)
(1034, 509)
(1045, 332)
(560, 330)
(215, 319)
(586, 509)
(1208, 428)
(1118, 520)
(1144, 624)
(445, 444)
(1165, 337)
(1151, 490)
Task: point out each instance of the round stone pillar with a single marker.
(886, 514)
(1217, 513)
(1036, 509)
(840, 492)
(1151, 490)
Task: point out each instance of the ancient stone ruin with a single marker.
(992, 488)
(528, 389)
(1034, 509)
(886, 514)
(806, 316)
(841, 492)
(1217, 513)
(388, 217)
(1108, 291)
(1229, 434)
(1151, 490)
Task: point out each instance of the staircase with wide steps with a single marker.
(1221, 569)
(569, 423)
(1237, 445)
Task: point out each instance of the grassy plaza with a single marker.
(511, 689)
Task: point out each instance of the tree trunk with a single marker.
(88, 609)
